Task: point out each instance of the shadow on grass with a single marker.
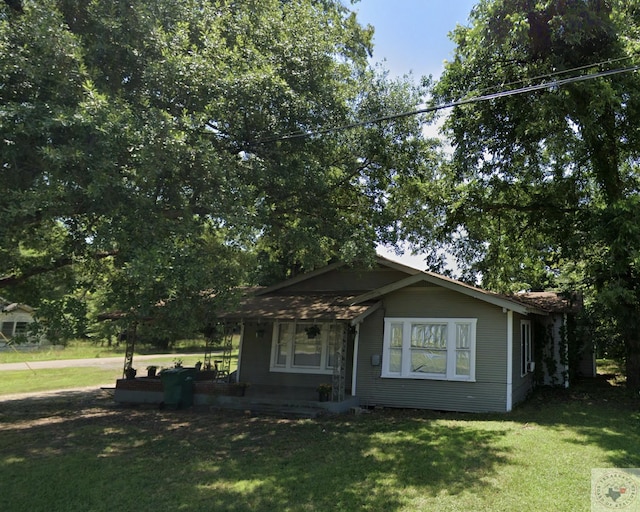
(81, 452)
(339, 464)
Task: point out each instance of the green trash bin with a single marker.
(177, 385)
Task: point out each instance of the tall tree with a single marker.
(146, 147)
(550, 176)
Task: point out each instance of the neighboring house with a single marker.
(396, 336)
(14, 319)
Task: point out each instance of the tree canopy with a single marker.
(544, 184)
(152, 150)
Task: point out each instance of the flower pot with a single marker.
(324, 396)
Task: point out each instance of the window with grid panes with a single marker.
(429, 348)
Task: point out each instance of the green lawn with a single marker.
(82, 349)
(30, 380)
(84, 453)
(33, 379)
(75, 350)
(25, 381)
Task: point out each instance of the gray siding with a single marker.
(344, 279)
(255, 362)
(488, 393)
(522, 386)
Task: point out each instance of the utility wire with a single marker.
(475, 99)
(560, 73)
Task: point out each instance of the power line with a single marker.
(475, 99)
(562, 72)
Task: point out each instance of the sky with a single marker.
(411, 36)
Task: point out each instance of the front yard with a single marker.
(80, 452)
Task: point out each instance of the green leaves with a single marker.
(548, 180)
(151, 138)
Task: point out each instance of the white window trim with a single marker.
(450, 374)
(525, 347)
(289, 367)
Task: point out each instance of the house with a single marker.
(14, 319)
(395, 336)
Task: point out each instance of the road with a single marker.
(99, 362)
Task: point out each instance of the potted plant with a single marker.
(312, 331)
(324, 392)
(130, 372)
(198, 366)
(151, 371)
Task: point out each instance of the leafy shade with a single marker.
(548, 180)
(146, 148)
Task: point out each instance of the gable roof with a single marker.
(8, 307)
(380, 260)
(496, 299)
(277, 303)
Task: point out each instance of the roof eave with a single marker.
(381, 260)
(362, 316)
(450, 284)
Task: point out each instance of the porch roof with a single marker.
(301, 307)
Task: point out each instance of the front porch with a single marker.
(272, 400)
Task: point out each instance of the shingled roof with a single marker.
(301, 306)
(551, 302)
(279, 303)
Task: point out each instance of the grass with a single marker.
(75, 350)
(26, 381)
(81, 452)
(82, 349)
(31, 378)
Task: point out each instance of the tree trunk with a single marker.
(633, 363)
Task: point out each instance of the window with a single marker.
(21, 328)
(525, 346)
(304, 347)
(429, 348)
(7, 330)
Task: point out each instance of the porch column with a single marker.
(339, 364)
(130, 346)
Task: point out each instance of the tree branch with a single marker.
(65, 261)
